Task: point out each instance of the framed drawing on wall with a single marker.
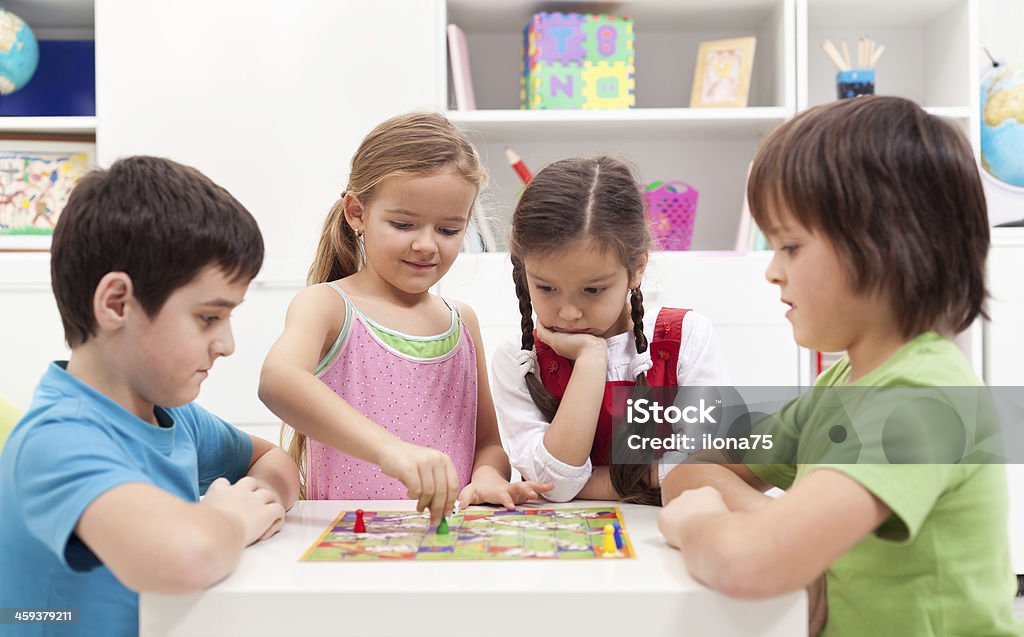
(722, 76)
(36, 177)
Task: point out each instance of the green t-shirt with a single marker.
(940, 565)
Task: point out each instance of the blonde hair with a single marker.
(407, 145)
(413, 144)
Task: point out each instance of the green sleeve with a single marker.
(775, 465)
(910, 491)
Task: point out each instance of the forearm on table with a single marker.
(727, 552)
(599, 486)
(570, 436)
(491, 458)
(278, 471)
(738, 495)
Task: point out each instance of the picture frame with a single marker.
(37, 175)
(721, 77)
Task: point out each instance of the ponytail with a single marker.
(339, 253)
(296, 447)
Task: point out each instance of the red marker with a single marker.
(360, 526)
(517, 164)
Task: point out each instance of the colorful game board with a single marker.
(562, 534)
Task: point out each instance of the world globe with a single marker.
(19, 53)
(1002, 124)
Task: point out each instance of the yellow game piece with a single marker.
(608, 547)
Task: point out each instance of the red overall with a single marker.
(556, 370)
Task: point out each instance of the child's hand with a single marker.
(687, 506)
(276, 526)
(254, 504)
(428, 474)
(495, 490)
(572, 346)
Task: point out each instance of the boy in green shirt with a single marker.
(878, 220)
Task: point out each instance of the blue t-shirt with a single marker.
(73, 445)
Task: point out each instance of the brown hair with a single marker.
(596, 199)
(413, 144)
(158, 221)
(897, 193)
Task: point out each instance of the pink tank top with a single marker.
(428, 402)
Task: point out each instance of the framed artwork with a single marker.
(722, 76)
(36, 177)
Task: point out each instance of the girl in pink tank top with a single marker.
(429, 399)
(383, 382)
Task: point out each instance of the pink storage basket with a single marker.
(672, 208)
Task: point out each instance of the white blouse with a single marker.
(700, 362)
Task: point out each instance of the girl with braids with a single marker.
(579, 248)
(383, 382)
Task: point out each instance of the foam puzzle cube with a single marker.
(575, 60)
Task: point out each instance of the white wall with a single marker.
(1001, 25)
(270, 101)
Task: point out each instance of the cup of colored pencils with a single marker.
(858, 78)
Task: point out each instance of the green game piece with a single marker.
(442, 528)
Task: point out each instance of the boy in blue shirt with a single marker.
(100, 480)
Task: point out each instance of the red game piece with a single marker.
(360, 526)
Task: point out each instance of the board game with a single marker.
(474, 534)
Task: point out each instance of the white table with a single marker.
(272, 593)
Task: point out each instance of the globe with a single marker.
(1002, 124)
(19, 52)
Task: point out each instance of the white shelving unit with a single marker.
(53, 19)
(931, 52)
(662, 136)
(80, 125)
(622, 125)
(931, 57)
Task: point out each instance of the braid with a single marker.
(525, 307)
(631, 478)
(547, 403)
(636, 304)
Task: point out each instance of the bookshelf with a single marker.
(931, 57)
(53, 20)
(78, 125)
(931, 52)
(663, 137)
